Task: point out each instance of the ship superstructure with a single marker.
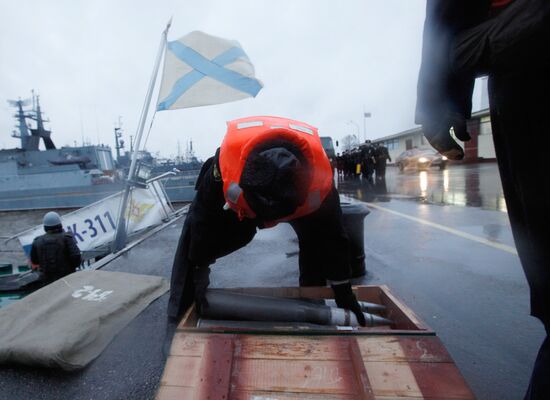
(39, 175)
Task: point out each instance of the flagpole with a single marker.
(120, 237)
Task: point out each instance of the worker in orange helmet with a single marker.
(268, 170)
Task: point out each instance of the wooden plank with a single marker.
(403, 316)
(370, 293)
(316, 376)
(263, 395)
(174, 393)
(292, 347)
(441, 380)
(363, 382)
(403, 349)
(215, 370)
(181, 371)
(381, 348)
(424, 349)
(190, 345)
(392, 379)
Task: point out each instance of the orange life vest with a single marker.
(245, 134)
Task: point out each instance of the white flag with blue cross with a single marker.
(201, 69)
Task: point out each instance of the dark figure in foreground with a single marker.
(54, 254)
(507, 40)
(268, 170)
(381, 156)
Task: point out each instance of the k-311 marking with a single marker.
(94, 226)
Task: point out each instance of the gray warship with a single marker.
(66, 177)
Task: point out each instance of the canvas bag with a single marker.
(68, 323)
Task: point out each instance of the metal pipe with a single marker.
(161, 176)
(226, 305)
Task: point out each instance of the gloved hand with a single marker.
(344, 297)
(201, 278)
(437, 133)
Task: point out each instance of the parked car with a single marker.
(420, 159)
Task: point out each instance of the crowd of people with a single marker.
(366, 162)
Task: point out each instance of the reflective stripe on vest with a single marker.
(234, 192)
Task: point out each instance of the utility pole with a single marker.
(356, 126)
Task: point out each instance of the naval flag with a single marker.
(201, 69)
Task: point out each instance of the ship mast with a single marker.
(22, 128)
(30, 138)
(40, 131)
(119, 143)
(189, 153)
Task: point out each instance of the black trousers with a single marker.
(539, 385)
(324, 244)
(521, 133)
(380, 170)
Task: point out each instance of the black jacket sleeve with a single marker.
(324, 243)
(441, 90)
(515, 38)
(209, 232)
(463, 39)
(73, 252)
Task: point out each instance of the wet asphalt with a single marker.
(440, 240)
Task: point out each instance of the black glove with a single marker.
(437, 133)
(201, 278)
(344, 297)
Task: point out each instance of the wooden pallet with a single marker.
(371, 365)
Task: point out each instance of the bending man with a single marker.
(268, 170)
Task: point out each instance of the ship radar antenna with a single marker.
(119, 142)
(40, 131)
(22, 130)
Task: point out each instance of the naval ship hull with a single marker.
(178, 190)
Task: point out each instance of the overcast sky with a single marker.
(320, 61)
